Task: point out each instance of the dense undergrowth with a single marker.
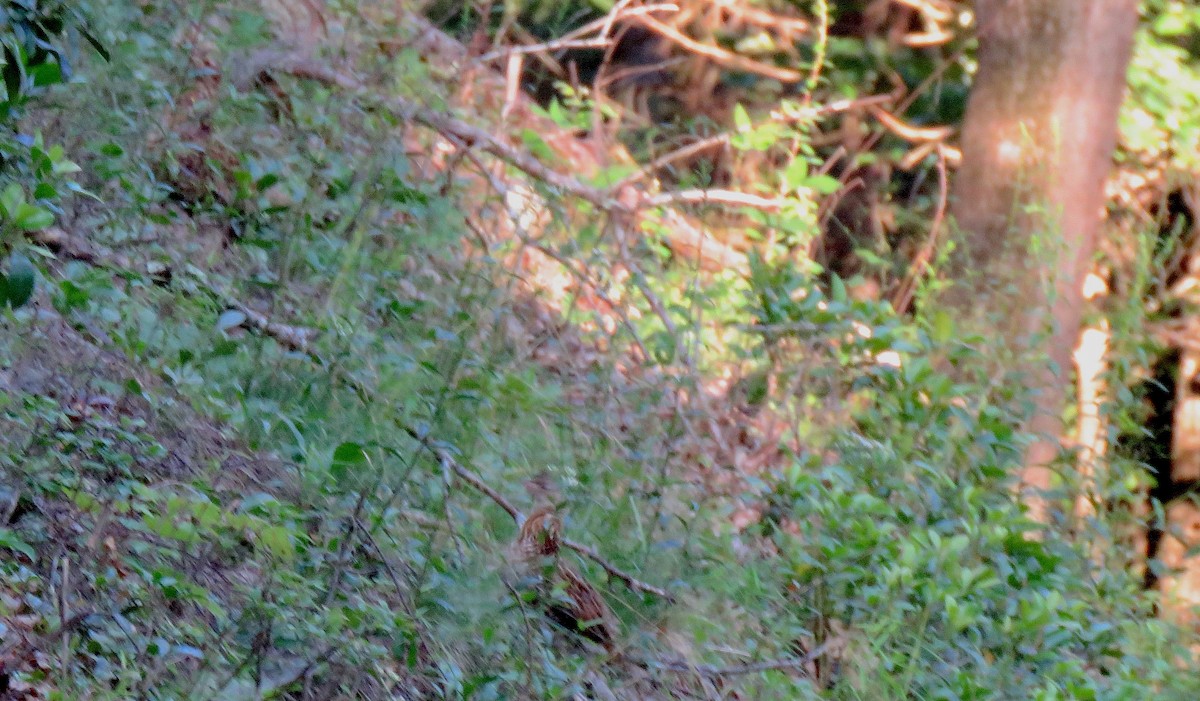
(193, 509)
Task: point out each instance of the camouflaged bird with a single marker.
(566, 598)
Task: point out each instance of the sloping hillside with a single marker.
(326, 314)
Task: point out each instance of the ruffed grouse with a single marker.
(567, 598)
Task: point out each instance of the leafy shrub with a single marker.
(37, 40)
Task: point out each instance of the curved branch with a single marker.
(725, 58)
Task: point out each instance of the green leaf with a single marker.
(824, 184)
(63, 166)
(112, 150)
(10, 199)
(9, 540)
(837, 289)
(796, 174)
(46, 74)
(1172, 24)
(45, 191)
(537, 145)
(224, 348)
(350, 453)
(741, 119)
(558, 114)
(96, 45)
(28, 217)
(278, 540)
(941, 326)
(266, 181)
(19, 285)
(345, 456)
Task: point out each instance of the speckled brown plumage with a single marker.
(567, 598)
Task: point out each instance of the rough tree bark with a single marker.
(1037, 144)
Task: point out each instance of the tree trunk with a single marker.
(1037, 143)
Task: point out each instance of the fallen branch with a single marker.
(304, 66)
(294, 338)
(687, 240)
(625, 201)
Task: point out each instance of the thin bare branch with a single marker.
(605, 24)
(554, 45)
(718, 55)
(679, 154)
(769, 20)
(471, 135)
(907, 131)
(920, 263)
(727, 197)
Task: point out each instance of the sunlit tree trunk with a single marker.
(1037, 144)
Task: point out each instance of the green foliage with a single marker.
(36, 38)
(910, 533)
(1164, 82)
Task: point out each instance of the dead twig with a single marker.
(679, 154)
(555, 45)
(294, 338)
(727, 197)
(904, 295)
(718, 55)
(606, 23)
(782, 24)
(469, 135)
(907, 131)
(472, 136)
(298, 63)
